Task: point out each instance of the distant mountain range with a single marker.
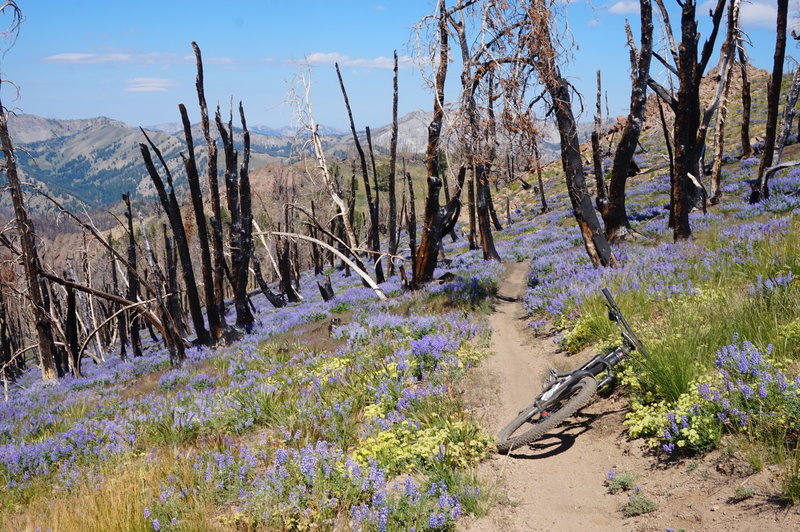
(92, 162)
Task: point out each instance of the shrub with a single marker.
(638, 504)
(617, 483)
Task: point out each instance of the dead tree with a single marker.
(726, 74)
(615, 216)
(71, 332)
(719, 144)
(172, 340)
(171, 207)
(393, 173)
(688, 138)
(217, 308)
(747, 148)
(597, 156)
(761, 186)
(372, 203)
(439, 220)
(11, 365)
(344, 204)
(29, 253)
(90, 302)
(473, 228)
(788, 115)
(326, 290)
(412, 219)
(479, 138)
(215, 320)
(133, 281)
(122, 322)
(241, 225)
(173, 296)
(542, 197)
(539, 41)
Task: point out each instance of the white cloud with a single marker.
(149, 85)
(759, 13)
(164, 59)
(593, 23)
(85, 59)
(321, 58)
(624, 7)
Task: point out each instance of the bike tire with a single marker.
(578, 397)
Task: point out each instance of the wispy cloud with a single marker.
(761, 14)
(593, 23)
(164, 59)
(151, 58)
(149, 85)
(322, 58)
(624, 7)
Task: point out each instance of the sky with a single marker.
(132, 60)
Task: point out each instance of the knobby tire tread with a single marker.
(586, 389)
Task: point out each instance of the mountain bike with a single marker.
(563, 394)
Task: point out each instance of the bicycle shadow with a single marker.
(558, 440)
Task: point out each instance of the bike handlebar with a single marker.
(615, 314)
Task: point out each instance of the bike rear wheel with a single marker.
(532, 423)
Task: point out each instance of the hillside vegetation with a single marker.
(347, 414)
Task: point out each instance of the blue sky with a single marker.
(132, 60)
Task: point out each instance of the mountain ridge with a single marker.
(90, 162)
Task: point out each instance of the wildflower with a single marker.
(705, 390)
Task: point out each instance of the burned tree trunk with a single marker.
(122, 321)
(761, 187)
(207, 268)
(30, 256)
(218, 263)
(539, 174)
(412, 219)
(172, 340)
(275, 299)
(326, 290)
(393, 174)
(241, 217)
(615, 216)
(597, 156)
(283, 248)
(594, 240)
(170, 204)
(719, 144)
(10, 364)
(687, 133)
(473, 228)
(438, 220)
(133, 281)
(747, 148)
(728, 57)
(487, 241)
(372, 204)
(173, 299)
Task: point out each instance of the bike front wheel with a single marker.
(533, 423)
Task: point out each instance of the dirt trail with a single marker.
(558, 482)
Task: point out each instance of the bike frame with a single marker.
(558, 384)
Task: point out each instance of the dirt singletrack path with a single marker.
(556, 483)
